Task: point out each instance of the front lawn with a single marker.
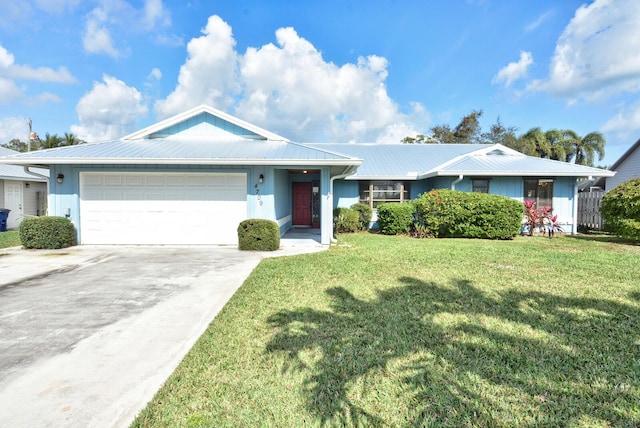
(10, 238)
(394, 331)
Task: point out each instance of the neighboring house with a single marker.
(192, 178)
(626, 168)
(23, 193)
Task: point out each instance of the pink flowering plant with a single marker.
(541, 219)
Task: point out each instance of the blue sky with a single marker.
(315, 71)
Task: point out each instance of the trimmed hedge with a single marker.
(364, 215)
(47, 233)
(258, 235)
(396, 218)
(447, 213)
(620, 209)
(345, 220)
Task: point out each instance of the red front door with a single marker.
(302, 204)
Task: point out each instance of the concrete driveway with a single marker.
(89, 334)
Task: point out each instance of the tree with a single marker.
(70, 140)
(468, 130)
(560, 142)
(17, 145)
(419, 139)
(499, 134)
(585, 148)
(51, 141)
(535, 143)
(443, 134)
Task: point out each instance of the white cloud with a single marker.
(9, 91)
(24, 72)
(110, 110)
(43, 98)
(13, 127)
(209, 74)
(115, 17)
(97, 37)
(155, 74)
(627, 121)
(598, 54)
(514, 70)
(290, 88)
(539, 21)
(154, 14)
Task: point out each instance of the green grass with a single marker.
(394, 331)
(10, 238)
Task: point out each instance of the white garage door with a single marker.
(161, 208)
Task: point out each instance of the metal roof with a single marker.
(509, 165)
(12, 172)
(399, 161)
(419, 161)
(182, 150)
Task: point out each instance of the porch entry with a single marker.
(306, 204)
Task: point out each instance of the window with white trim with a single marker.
(539, 190)
(480, 185)
(374, 193)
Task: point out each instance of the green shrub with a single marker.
(620, 209)
(447, 213)
(47, 233)
(395, 218)
(345, 220)
(258, 235)
(364, 215)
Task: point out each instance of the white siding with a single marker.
(629, 169)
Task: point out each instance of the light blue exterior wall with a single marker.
(282, 194)
(564, 193)
(345, 193)
(208, 119)
(270, 199)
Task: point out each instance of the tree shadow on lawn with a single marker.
(603, 237)
(467, 358)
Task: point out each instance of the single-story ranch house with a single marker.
(21, 192)
(192, 178)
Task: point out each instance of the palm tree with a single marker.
(585, 148)
(535, 143)
(70, 139)
(51, 141)
(560, 143)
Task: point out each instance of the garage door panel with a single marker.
(162, 208)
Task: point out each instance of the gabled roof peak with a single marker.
(497, 150)
(158, 127)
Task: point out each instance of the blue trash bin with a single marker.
(4, 215)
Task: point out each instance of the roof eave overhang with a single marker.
(11, 178)
(602, 173)
(383, 177)
(44, 163)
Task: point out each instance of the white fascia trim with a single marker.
(603, 173)
(42, 163)
(383, 177)
(181, 117)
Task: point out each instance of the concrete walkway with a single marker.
(89, 334)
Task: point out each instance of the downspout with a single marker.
(456, 181)
(35, 174)
(350, 170)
